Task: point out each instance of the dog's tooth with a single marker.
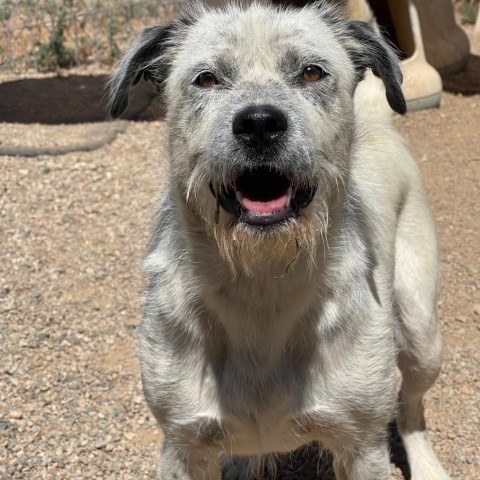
(289, 196)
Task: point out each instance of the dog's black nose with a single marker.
(259, 125)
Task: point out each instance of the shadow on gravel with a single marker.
(67, 100)
(466, 82)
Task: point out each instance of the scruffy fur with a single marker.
(257, 340)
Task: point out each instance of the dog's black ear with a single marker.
(368, 50)
(144, 59)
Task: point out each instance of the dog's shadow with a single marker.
(310, 462)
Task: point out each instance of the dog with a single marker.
(293, 264)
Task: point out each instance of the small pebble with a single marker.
(99, 444)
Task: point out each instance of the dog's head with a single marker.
(260, 115)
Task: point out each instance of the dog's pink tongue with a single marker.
(263, 207)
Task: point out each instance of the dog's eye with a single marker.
(312, 73)
(206, 80)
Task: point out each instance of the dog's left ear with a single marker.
(146, 58)
(368, 50)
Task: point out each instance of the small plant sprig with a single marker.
(469, 10)
(54, 54)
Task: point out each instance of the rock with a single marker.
(99, 443)
(15, 338)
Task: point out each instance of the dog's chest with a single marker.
(272, 427)
(269, 371)
(263, 406)
(249, 414)
(267, 435)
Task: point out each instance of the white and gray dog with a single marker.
(294, 261)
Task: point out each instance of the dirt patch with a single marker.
(66, 100)
(121, 358)
(63, 102)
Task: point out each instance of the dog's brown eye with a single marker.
(312, 73)
(206, 80)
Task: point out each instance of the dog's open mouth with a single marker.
(264, 197)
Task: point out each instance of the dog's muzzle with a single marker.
(263, 195)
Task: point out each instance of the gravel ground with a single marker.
(74, 229)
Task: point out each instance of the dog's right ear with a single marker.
(144, 59)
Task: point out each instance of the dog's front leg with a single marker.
(365, 463)
(179, 463)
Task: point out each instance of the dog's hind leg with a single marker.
(419, 338)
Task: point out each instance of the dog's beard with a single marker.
(273, 250)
